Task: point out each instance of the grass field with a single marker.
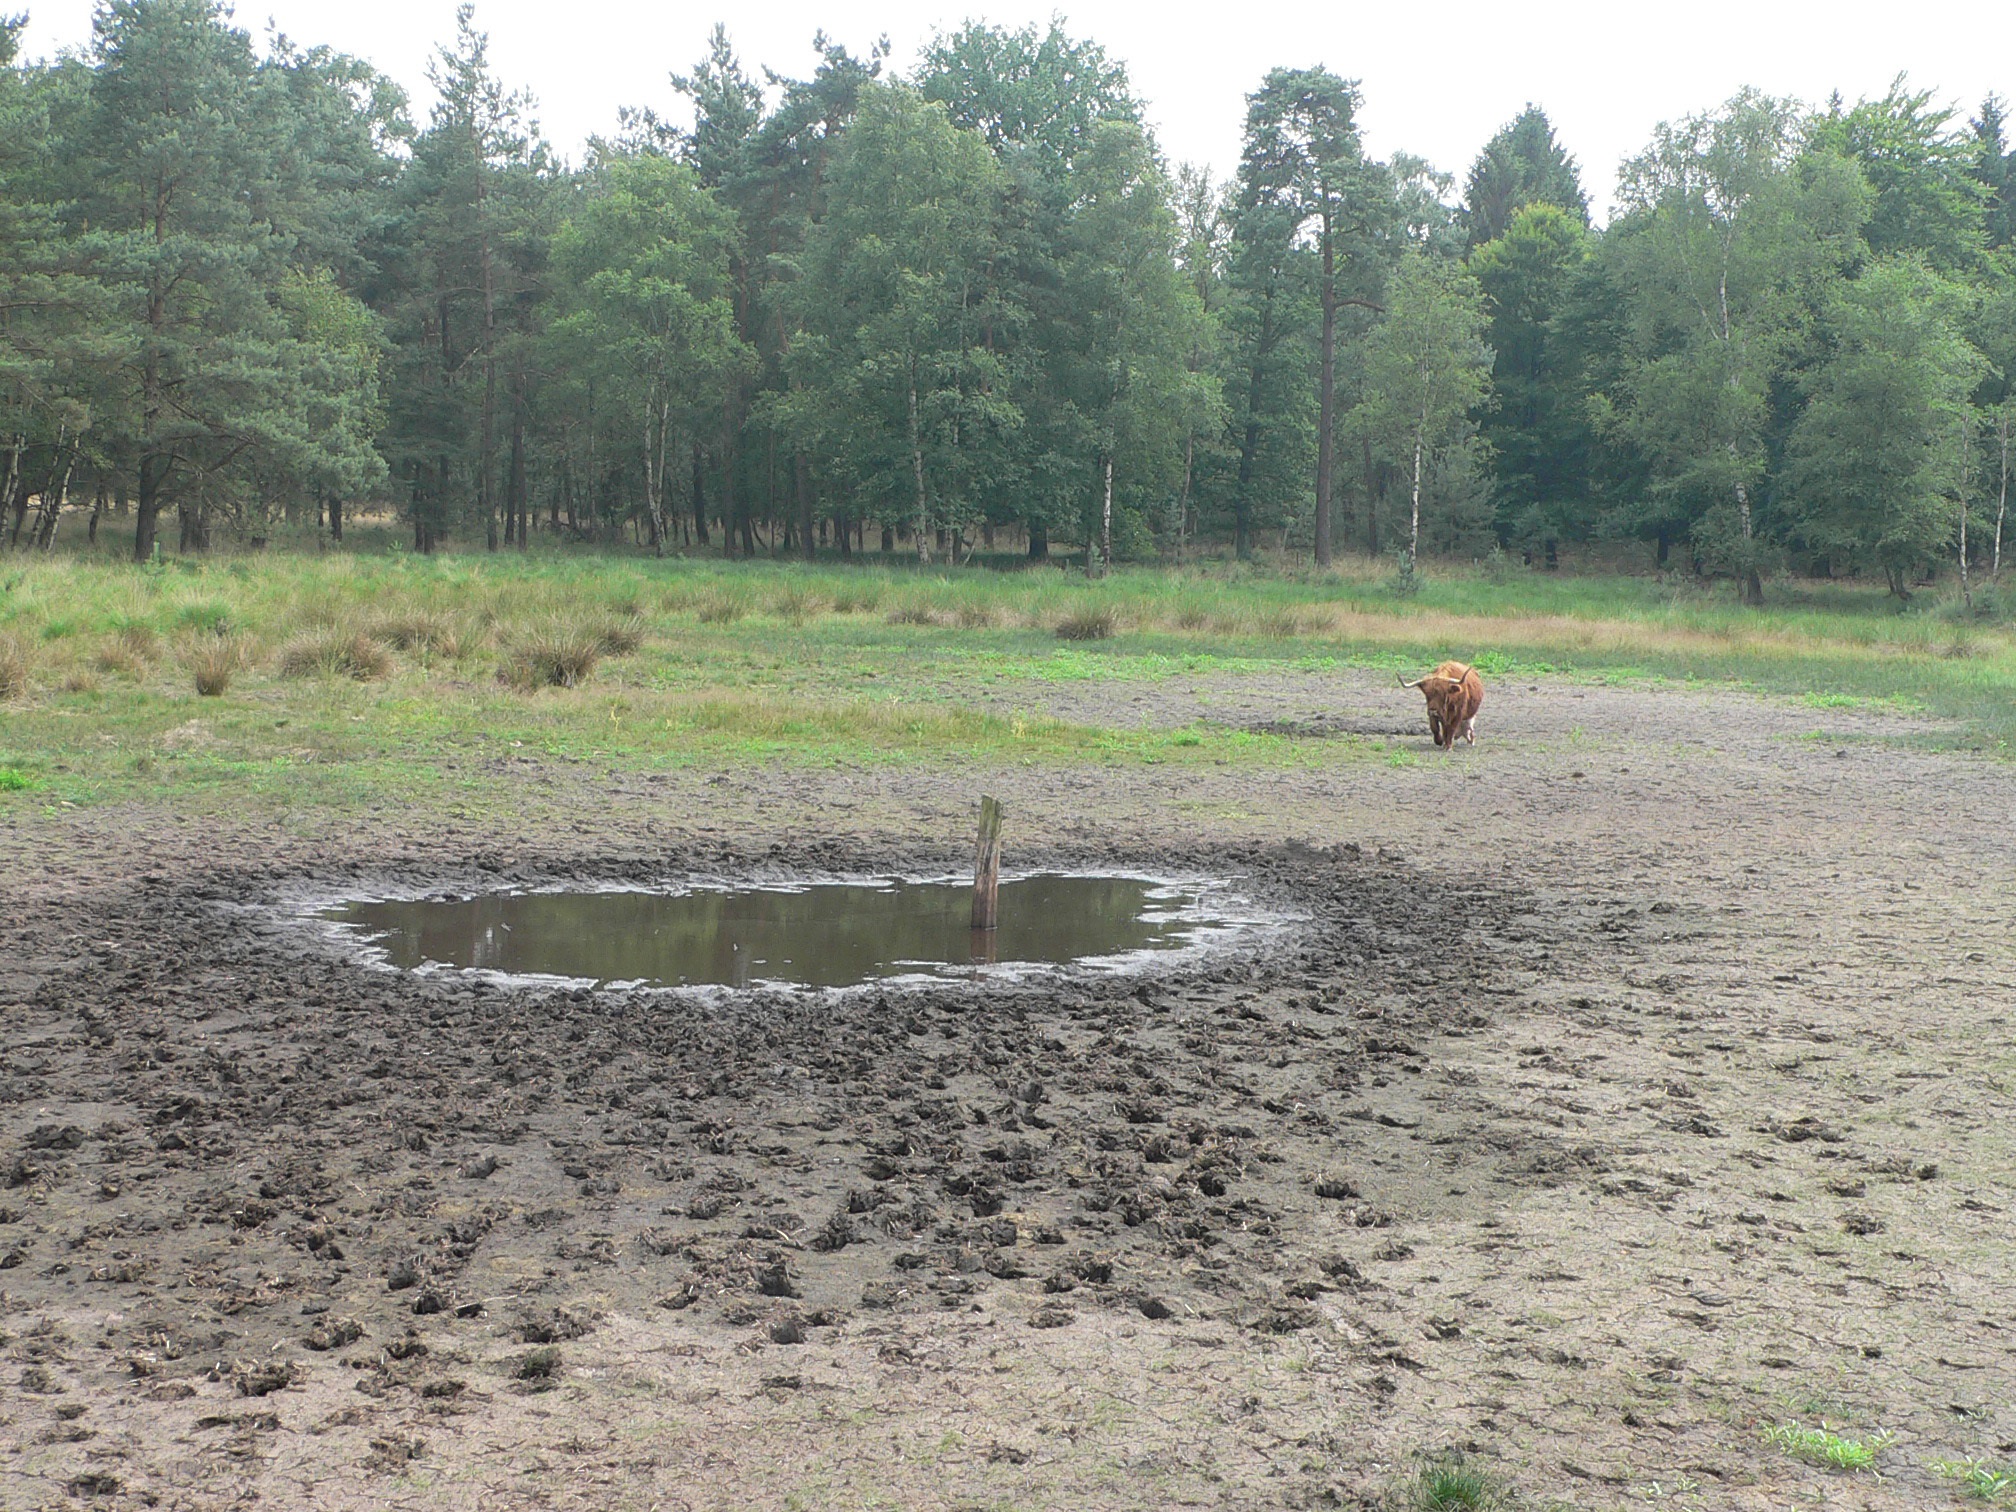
(348, 679)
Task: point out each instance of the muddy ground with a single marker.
(1642, 1080)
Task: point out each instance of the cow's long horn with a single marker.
(1414, 684)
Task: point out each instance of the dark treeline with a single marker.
(858, 311)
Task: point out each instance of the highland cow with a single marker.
(1455, 693)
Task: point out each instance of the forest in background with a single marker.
(241, 285)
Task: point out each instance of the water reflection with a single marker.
(823, 935)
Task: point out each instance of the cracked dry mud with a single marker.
(1642, 1079)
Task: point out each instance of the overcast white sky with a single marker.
(1437, 79)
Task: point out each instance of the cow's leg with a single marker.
(1470, 730)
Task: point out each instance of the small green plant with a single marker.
(1096, 622)
(1823, 1446)
(14, 780)
(1976, 1479)
(1406, 581)
(1498, 567)
(1453, 1485)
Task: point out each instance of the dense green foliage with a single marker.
(239, 284)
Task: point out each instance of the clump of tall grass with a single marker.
(337, 653)
(797, 604)
(1090, 623)
(1283, 623)
(17, 667)
(422, 631)
(720, 606)
(857, 598)
(213, 660)
(913, 613)
(552, 655)
(1452, 1485)
(621, 635)
(129, 653)
(205, 614)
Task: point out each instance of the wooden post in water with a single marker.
(987, 867)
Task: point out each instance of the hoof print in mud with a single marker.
(262, 1379)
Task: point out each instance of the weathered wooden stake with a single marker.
(987, 867)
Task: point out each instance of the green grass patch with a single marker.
(1822, 1446)
(1453, 1485)
(1977, 1479)
(14, 780)
(642, 664)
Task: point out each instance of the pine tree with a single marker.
(1522, 165)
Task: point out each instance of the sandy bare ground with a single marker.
(1641, 1079)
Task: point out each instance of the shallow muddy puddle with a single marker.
(821, 934)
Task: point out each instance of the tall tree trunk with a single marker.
(653, 504)
(10, 481)
(699, 496)
(1753, 586)
(1371, 501)
(1414, 525)
(486, 466)
(1106, 520)
(807, 545)
(1039, 541)
(1966, 587)
(336, 519)
(147, 504)
(517, 496)
(2002, 429)
(97, 513)
(917, 465)
(1326, 413)
(55, 495)
(154, 467)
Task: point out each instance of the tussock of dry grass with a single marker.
(117, 660)
(17, 667)
(721, 608)
(863, 598)
(337, 653)
(621, 636)
(553, 655)
(798, 605)
(418, 630)
(213, 660)
(1095, 622)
